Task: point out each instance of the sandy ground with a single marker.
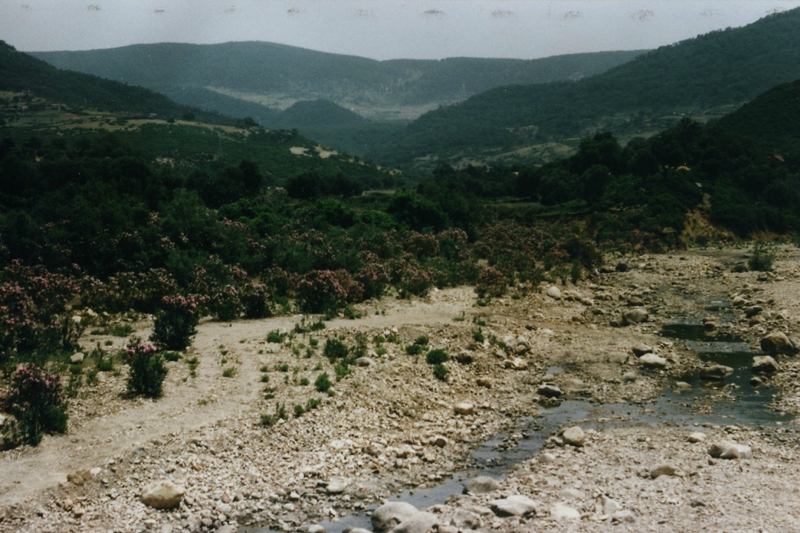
(391, 426)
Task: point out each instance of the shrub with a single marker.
(414, 349)
(37, 402)
(119, 330)
(172, 356)
(176, 321)
(255, 301)
(147, 369)
(229, 372)
(326, 291)
(761, 257)
(335, 349)
(477, 335)
(323, 382)
(312, 403)
(276, 337)
(436, 357)
(441, 372)
(491, 282)
(91, 377)
(225, 303)
(422, 340)
(414, 281)
(304, 382)
(299, 410)
(267, 420)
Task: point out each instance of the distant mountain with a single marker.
(706, 76)
(22, 72)
(277, 75)
(772, 120)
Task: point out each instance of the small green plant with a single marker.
(121, 329)
(229, 372)
(304, 382)
(436, 357)
(441, 372)
(147, 369)
(299, 410)
(460, 318)
(335, 349)
(394, 338)
(276, 337)
(106, 365)
(477, 335)
(223, 361)
(761, 257)
(264, 378)
(313, 342)
(223, 352)
(202, 401)
(342, 369)
(413, 349)
(91, 377)
(76, 369)
(422, 340)
(323, 382)
(378, 340)
(280, 410)
(267, 420)
(282, 367)
(478, 321)
(108, 342)
(263, 368)
(172, 356)
(312, 403)
(318, 367)
(193, 364)
(381, 351)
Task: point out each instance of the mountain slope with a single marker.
(772, 120)
(723, 68)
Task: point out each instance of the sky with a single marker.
(379, 29)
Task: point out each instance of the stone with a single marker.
(162, 494)
(404, 452)
(549, 391)
(563, 512)
(696, 437)
(547, 459)
(76, 358)
(663, 470)
(618, 357)
(629, 377)
(2, 420)
(364, 361)
(606, 506)
(463, 519)
(523, 341)
(651, 360)
(521, 349)
(233, 528)
(624, 517)
(336, 485)
(554, 292)
(464, 408)
(516, 364)
(484, 382)
(390, 514)
(764, 363)
(715, 372)
(419, 522)
(635, 316)
(730, 450)
(641, 350)
(463, 357)
(439, 441)
(574, 436)
(572, 494)
(481, 485)
(316, 528)
(446, 529)
(513, 506)
(778, 343)
(76, 479)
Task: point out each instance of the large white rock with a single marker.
(391, 514)
(730, 450)
(554, 292)
(513, 506)
(481, 485)
(162, 494)
(574, 436)
(420, 522)
(463, 519)
(464, 408)
(651, 360)
(564, 512)
(764, 363)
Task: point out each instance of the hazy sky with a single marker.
(380, 29)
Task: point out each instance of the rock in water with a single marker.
(715, 372)
(391, 514)
(730, 450)
(420, 522)
(481, 485)
(574, 436)
(764, 363)
(513, 506)
(549, 391)
(162, 494)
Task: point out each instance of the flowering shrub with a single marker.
(278, 281)
(373, 276)
(413, 280)
(255, 300)
(37, 402)
(226, 303)
(147, 369)
(176, 321)
(323, 291)
(490, 282)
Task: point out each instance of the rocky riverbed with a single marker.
(391, 426)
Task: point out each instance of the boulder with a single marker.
(730, 450)
(778, 343)
(563, 512)
(390, 514)
(484, 382)
(516, 364)
(606, 506)
(162, 494)
(549, 391)
(420, 522)
(715, 372)
(481, 485)
(364, 361)
(653, 361)
(521, 349)
(513, 506)
(641, 350)
(76, 358)
(573, 436)
(635, 316)
(764, 363)
(463, 519)
(336, 485)
(696, 437)
(554, 292)
(663, 470)
(464, 408)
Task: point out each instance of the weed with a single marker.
(761, 257)
(323, 382)
(304, 382)
(413, 349)
(229, 372)
(381, 351)
(282, 367)
(477, 335)
(276, 337)
(202, 401)
(264, 378)
(91, 377)
(441, 372)
(422, 340)
(335, 349)
(436, 357)
(267, 420)
(172, 356)
(299, 410)
(312, 403)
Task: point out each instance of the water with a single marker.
(698, 405)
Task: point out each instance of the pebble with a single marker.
(574, 436)
(162, 494)
(663, 470)
(464, 408)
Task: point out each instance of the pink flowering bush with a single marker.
(226, 303)
(255, 301)
(373, 276)
(176, 321)
(491, 282)
(414, 281)
(36, 400)
(278, 281)
(325, 291)
(147, 368)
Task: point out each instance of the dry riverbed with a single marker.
(392, 426)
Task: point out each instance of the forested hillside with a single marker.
(702, 76)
